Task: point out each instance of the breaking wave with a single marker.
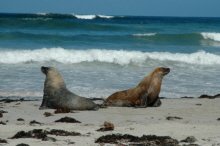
(211, 35)
(121, 57)
(144, 34)
(92, 16)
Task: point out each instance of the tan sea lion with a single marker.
(57, 96)
(146, 93)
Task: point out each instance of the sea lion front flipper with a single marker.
(143, 103)
(43, 104)
(157, 103)
(46, 103)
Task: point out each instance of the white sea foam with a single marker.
(144, 34)
(121, 57)
(20, 94)
(85, 16)
(211, 35)
(43, 14)
(105, 16)
(90, 17)
(36, 19)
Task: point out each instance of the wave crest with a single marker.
(211, 35)
(105, 16)
(144, 34)
(121, 57)
(90, 17)
(85, 16)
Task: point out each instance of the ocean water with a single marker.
(98, 55)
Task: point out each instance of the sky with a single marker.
(189, 8)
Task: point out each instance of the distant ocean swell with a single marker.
(193, 37)
(60, 16)
(120, 57)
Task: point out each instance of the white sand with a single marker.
(198, 121)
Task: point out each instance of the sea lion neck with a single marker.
(152, 79)
(54, 80)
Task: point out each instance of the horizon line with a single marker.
(44, 13)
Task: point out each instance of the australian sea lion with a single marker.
(144, 94)
(57, 96)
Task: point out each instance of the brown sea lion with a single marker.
(144, 94)
(57, 96)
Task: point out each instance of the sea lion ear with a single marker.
(44, 69)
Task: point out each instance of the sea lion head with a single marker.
(161, 71)
(44, 69)
(53, 77)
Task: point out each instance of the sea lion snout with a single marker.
(166, 70)
(44, 69)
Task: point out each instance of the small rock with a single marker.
(22, 144)
(187, 97)
(145, 140)
(48, 114)
(189, 139)
(199, 104)
(131, 128)
(1, 115)
(173, 118)
(217, 96)
(190, 145)
(62, 110)
(88, 133)
(42, 134)
(34, 123)
(2, 111)
(36, 133)
(3, 141)
(20, 119)
(71, 142)
(2, 123)
(207, 96)
(49, 139)
(68, 120)
(108, 126)
(62, 133)
(218, 119)
(8, 100)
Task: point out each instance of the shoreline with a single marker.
(39, 98)
(188, 117)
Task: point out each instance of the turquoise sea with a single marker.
(98, 54)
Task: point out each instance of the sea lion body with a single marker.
(146, 93)
(56, 95)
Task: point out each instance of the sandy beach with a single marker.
(92, 55)
(194, 117)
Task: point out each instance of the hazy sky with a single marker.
(204, 8)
